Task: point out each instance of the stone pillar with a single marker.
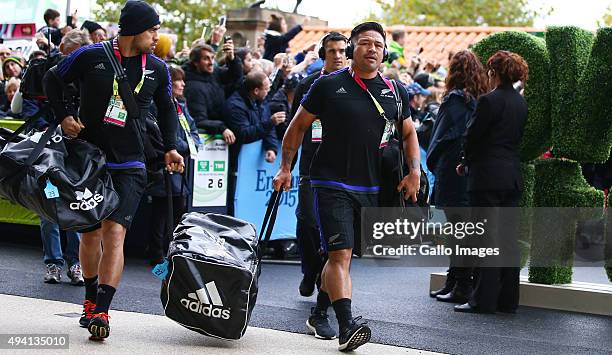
(249, 23)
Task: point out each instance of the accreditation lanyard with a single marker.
(143, 64)
(193, 151)
(317, 127)
(381, 111)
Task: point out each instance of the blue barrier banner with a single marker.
(254, 187)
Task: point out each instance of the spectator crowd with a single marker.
(245, 94)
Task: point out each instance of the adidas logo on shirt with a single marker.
(100, 66)
(341, 91)
(206, 301)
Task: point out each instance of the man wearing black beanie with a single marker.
(96, 32)
(104, 121)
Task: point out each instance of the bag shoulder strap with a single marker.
(125, 90)
(117, 68)
(42, 142)
(400, 131)
(398, 100)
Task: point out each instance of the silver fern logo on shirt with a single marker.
(387, 93)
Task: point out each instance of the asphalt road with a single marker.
(393, 299)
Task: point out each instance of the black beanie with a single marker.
(136, 17)
(91, 26)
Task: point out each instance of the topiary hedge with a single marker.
(595, 102)
(525, 234)
(608, 250)
(559, 183)
(569, 49)
(536, 139)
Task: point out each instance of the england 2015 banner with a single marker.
(210, 172)
(254, 187)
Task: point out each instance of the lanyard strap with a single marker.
(362, 85)
(143, 59)
(193, 150)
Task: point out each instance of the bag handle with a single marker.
(170, 211)
(26, 124)
(125, 90)
(38, 148)
(269, 219)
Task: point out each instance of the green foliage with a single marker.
(569, 49)
(456, 13)
(608, 249)
(185, 17)
(594, 101)
(536, 138)
(526, 224)
(528, 171)
(559, 183)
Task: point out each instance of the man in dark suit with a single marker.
(492, 163)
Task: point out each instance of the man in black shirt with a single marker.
(355, 106)
(333, 47)
(119, 137)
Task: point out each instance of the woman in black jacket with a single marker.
(465, 82)
(494, 179)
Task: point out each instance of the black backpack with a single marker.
(32, 82)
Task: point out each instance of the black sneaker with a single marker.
(355, 336)
(88, 308)
(98, 326)
(318, 325)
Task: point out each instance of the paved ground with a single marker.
(393, 299)
(138, 333)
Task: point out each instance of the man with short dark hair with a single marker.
(356, 107)
(52, 25)
(333, 46)
(204, 87)
(105, 123)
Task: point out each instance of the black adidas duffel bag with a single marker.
(62, 180)
(213, 271)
